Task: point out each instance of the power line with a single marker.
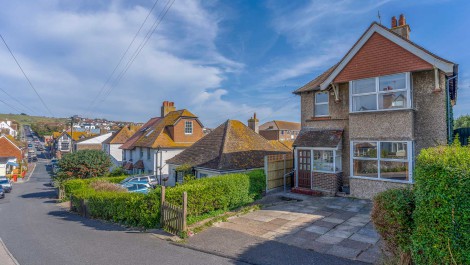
(14, 108)
(29, 81)
(121, 59)
(19, 102)
(139, 49)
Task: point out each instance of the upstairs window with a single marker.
(321, 104)
(381, 93)
(188, 127)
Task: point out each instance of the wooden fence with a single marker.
(173, 217)
(275, 168)
(81, 208)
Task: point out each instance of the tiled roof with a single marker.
(19, 144)
(154, 133)
(280, 125)
(139, 164)
(310, 137)
(315, 83)
(231, 146)
(122, 135)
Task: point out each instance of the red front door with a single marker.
(304, 173)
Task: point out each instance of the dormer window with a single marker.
(380, 93)
(321, 104)
(188, 127)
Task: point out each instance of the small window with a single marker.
(188, 127)
(321, 104)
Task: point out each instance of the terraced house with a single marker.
(366, 118)
(160, 139)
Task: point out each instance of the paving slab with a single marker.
(329, 239)
(345, 252)
(317, 229)
(364, 239)
(354, 244)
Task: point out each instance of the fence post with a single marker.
(266, 172)
(185, 209)
(162, 200)
(284, 176)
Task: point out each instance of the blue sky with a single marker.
(219, 59)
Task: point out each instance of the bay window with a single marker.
(321, 104)
(380, 93)
(381, 160)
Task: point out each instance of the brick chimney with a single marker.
(253, 123)
(167, 107)
(401, 28)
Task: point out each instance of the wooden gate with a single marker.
(173, 217)
(304, 173)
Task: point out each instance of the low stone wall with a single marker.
(367, 189)
(327, 182)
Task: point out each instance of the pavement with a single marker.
(5, 256)
(36, 232)
(327, 226)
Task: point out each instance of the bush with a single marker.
(442, 215)
(118, 171)
(392, 217)
(220, 192)
(84, 164)
(103, 185)
(72, 185)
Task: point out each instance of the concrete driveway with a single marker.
(329, 225)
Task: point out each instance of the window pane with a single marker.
(321, 110)
(365, 168)
(363, 103)
(321, 97)
(365, 149)
(394, 170)
(392, 82)
(393, 150)
(323, 160)
(363, 86)
(395, 100)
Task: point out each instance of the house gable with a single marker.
(379, 56)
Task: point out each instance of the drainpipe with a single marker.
(450, 134)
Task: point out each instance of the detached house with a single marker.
(366, 118)
(12, 152)
(231, 147)
(9, 128)
(63, 141)
(160, 139)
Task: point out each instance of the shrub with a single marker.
(72, 185)
(118, 171)
(84, 164)
(442, 215)
(103, 185)
(392, 217)
(220, 192)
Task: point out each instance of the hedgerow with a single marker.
(70, 186)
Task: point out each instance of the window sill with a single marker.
(380, 111)
(322, 118)
(381, 179)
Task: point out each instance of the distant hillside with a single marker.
(28, 120)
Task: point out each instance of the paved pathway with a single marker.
(331, 225)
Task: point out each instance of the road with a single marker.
(36, 231)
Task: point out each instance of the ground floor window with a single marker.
(322, 160)
(382, 160)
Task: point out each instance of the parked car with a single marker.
(137, 187)
(6, 184)
(2, 193)
(140, 179)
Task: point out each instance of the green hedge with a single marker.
(392, 217)
(442, 215)
(139, 210)
(70, 186)
(220, 192)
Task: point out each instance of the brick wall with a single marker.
(380, 56)
(270, 134)
(327, 182)
(178, 134)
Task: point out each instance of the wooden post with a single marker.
(71, 205)
(266, 172)
(162, 200)
(185, 209)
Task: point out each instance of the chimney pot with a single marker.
(167, 107)
(394, 22)
(401, 20)
(253, 123)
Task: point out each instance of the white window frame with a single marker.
(322, 103)
(190, 127)
(377, 93)
(409, 160)
(311, 158)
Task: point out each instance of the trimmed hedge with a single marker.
(139, 210)
(70, 186)
(220, 192)
(442, 215)
(392, 217)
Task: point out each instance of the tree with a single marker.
(84, 164)
(462, 122)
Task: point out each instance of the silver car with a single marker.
(6, 184)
